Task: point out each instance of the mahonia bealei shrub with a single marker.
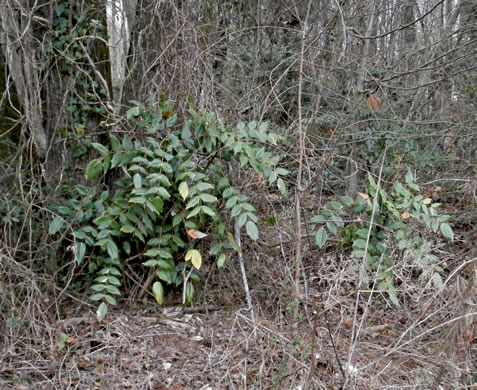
(175, 190)
(377, 226)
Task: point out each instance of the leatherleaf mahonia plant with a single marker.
(381, 226)
(175, 189)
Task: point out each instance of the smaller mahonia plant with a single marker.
(394, 229)
(176, 190)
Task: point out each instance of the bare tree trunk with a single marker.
(354, 155)
(120, 15)
(16, 42)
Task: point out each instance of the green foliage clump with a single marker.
(384, 225)
(176, 188)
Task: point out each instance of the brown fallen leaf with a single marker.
(374, 102)
(195, 234)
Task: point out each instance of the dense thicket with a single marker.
(349, 89)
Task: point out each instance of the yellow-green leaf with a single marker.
(189, 292)
(194, 256)
(232, 242)
(184, 190)
(158, 292)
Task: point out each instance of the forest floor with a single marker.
(345, 337)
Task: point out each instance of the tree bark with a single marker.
(16, 43)
(120, 15)
(354, 155)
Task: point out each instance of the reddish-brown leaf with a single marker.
(374, 103)
(195, 234)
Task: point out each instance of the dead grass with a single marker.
(361, 341)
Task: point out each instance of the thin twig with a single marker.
(313, 355)
(238, 241)
(335, 350)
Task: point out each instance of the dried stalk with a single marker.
(238, 241)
